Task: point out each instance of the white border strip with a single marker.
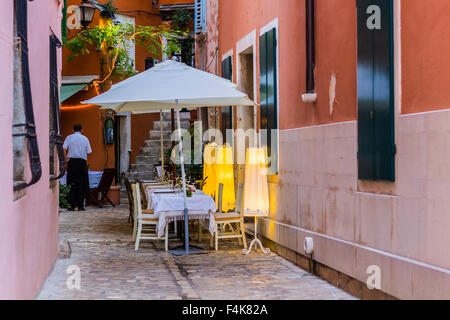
(387, 254)
(321, 125)
(228, 54)
(424, 113)
(245, 43)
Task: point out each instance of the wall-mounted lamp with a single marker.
(87, 11)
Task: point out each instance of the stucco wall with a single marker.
(335, 49)
(91, 118)
(28, 226)
(425, 63)
(143, 12)
(404, 228)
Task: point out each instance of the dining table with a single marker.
(168, 206)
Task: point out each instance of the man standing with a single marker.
(77, 147)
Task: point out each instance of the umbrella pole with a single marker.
(186, 250)
(162, 143)
(183, 177)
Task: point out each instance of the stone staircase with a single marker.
(150, 153)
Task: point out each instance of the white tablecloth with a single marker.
(150, 190)
(94, 178)
(170, 207)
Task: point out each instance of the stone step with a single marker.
(150, 151)
(156, 134)
(156, 143)
(142, 167)
(156, 153)
(141, 173)
(167, 125)
(150, 154)
(148, 160)
(141, 176)
(183, 116)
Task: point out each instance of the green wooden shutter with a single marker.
(227, 112)
(376, 141)
(268, 91)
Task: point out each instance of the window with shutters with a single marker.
(24, 128)
(227, 112)
(55, 139)
(268, 94)
(200, 16)
(376, 141)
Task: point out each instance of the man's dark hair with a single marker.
(77, 128)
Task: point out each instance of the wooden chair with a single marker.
(103, 187)
(130, 199)
(145, 222)
(143, 195)
(230, 218)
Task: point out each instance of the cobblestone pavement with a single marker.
(111, 269)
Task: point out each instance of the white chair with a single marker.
(145, 222)
(229, 219)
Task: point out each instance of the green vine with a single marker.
(183, 20)
(64, 194)
(115, 41)
(109, 7)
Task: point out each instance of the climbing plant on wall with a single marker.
(112, 42)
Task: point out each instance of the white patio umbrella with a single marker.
(168, 85)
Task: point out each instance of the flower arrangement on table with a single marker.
(190, 189)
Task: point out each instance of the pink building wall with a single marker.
(402, 227)
(29, 225)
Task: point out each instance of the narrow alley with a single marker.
(110, 268)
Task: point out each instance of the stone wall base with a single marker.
(342, 281)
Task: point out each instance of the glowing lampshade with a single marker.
(209, 169)
(256, 190)
(225, 175)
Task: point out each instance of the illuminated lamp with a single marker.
(87, 11)
(256, 190)
(77, 107)
(225, 175)
(209, 169)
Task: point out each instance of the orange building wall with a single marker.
(336, 54)
(99, 159)
(91, 118)
(425, 55)
(147, 15)
(170, 2)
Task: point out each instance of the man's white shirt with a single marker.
(78, 145)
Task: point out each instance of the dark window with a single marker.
(56, 139)
(227, 112)
(310, 46)
(149, 63)
(376, 142)
(22, 97)
(268, 92)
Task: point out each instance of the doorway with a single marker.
(245, 116)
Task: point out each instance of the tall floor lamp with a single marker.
(256, 191)
(209, 169)
(225, 176)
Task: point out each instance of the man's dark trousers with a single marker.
(78, 180)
